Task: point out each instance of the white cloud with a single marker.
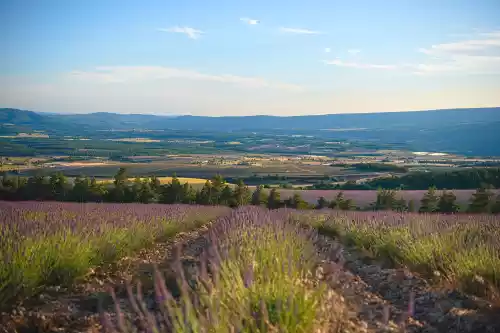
(328, 50)
(340, 63)
(300, 31)
(354, 51)
(136, 74)
(479, 54)
(249, 21)
(190, 32)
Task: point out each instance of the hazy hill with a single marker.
(399, 120)
(466, 131)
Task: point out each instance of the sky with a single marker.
(219, 58)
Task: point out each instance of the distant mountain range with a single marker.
(385, 120)
(469, 131)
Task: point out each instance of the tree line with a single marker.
(217, 191)
(470, 178)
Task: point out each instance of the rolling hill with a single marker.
(464, 131)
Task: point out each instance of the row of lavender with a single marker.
(463, 250)
(55, 243)
(255, 276)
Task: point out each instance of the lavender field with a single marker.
(55, 243)
(363, 198)
(256, 271)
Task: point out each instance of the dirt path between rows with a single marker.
(377, 298)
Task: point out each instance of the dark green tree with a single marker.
(81, 190)
(386, 199)
(120, 192)
(59, 186)
(400, 205)
(189, 195)
(226, 196)
(322, 203)
(447, 202)
(241, 194)
(480, 201)
(296, 202)
(172, 192)
(429, 202)
(218, 184)
(205, 196)
(259, 197)
(121, 177)
(340, 202)
(274, 200)
(146, 194)
(155, 183)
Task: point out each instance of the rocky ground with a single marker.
(374, 298)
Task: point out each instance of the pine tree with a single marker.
(146, 193)
(218, 184)
(341, 202)
(241, 195)
(259, 197)
(120, 192)
(447, 203)
(172, 192)
(121, 177)
(345, 204)
(274, 200)
(134, 193)
(189, 194)
(322, 203)
(429, 202)
(386, 199)
(155, 183)
(480, 201)
(205, 196)
(296, 202)
(59, 186)
(400, 205)
(226, 196)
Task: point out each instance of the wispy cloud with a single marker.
(188, 31)
(300, 31)
(354, 51)
(340, 63)
(328, 50)
(478, 54)
(135, 74)
(249, 21)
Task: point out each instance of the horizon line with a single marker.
(255, 115)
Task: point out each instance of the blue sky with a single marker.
(249, 57)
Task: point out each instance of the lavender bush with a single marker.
(55, 243)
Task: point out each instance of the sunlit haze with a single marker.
(249, 57)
